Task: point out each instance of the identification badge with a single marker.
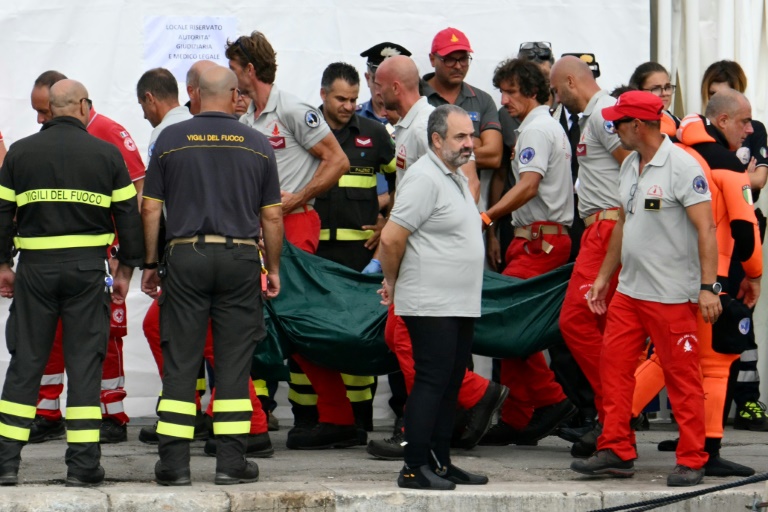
(653, 204)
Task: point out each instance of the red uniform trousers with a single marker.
(112, 378)
(396, 335)
(582, 330)
(152, 333)
(672, 327)
(530, 381)
(303, 230)
(715, 368)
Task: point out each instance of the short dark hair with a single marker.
(339, 71)
(526, 74)
(256, 50)
(48, 78)
(438, 121)
(643, 71)
(618, 91)
(160, 82)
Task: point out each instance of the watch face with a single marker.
(717, 287)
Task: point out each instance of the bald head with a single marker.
(731, 112)
(66, 98)
(218, 90)
(573, 83)
(193, 83)
(401, 69)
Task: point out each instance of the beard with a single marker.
(455, 159)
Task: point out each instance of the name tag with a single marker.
(653, 204)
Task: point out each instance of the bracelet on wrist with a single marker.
(150, 266)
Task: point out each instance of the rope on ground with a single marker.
(659, 502)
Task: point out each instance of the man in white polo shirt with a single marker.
(665, 242)
(541, 203)
(599, 154)
(434, 232)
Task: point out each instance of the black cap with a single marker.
(589, 58)
(377, 53)
(733, 332)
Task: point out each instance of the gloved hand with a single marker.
(374, 267)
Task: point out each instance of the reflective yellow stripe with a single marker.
(177, 406)
(20, 410)
(260, 386)
(83, 413)
(300, 378)
(302, 399)
(349, 180)
(200, 384)
(390, 167)
(15, 433)
(232, 405)
(359, 395)
(124, 193)
(357, 380)
(63, 195)
(231, 427)
(7, 194)
(174, 430)
(82, 436)
(143, 197)
(347, 235)
(353, 234)
(63, 242)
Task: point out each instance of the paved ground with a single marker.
(522, 479)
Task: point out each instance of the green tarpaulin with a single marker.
(332, 316)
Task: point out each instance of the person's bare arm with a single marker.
(272, 232)
(151, 210)
(488, 149)
(701, 217)
(611, 262)
(391, 250)
(523, 191)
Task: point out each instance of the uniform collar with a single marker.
(541, 110)
(662, 154)
(466, 90)
(213, 113)
(593, 101)
(64, 120)
(406, 121)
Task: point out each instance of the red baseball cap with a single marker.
(450, 40)
(637, 105)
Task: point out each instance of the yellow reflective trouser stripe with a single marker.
(232, 405)
(231, 427)
(7, 194)
(124, 193)
(390, 167)
(200, 384)
(359, 395)
(15, 433)
(175, 430)
(349, 180)
(300, 378)
(260, 386)
(302, 399)
(21, 410)
(357, 380)
(177, 406)
(347, 235)
(63, 242)
(63, 195)
(83, 436)
(83, 413)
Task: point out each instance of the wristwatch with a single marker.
(715, 288)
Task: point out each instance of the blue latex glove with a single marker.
(374, 267)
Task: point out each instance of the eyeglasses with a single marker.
(239, 92)
(613, 126)
(631, 202)
(88, 101)
(659, 89)
(247, 54)
(537, 50)
(452, 61)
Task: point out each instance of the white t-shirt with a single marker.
(173, 116)
(411, 140)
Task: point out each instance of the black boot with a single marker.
(717, 466)
(422, 477)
